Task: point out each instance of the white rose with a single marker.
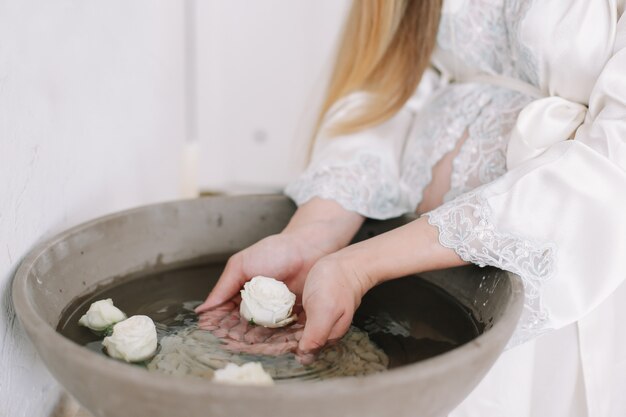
(267, 302)
(251, 373)
(133, 340)
(101, 315)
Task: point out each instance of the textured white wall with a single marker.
(91, 121)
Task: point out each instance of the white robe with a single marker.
(518, 78)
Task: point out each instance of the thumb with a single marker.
(321, 319)
(229, 283)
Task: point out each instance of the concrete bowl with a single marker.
(185, 232)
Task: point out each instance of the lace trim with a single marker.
(482, 158)
(359, 185)
(485, 35)
(436, 132)
(488, 114)
(465, 225)
(522, 57)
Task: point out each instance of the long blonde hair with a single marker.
(385, 49)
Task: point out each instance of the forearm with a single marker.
(409, 249)
(325, 224)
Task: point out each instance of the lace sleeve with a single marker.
(465, 225)
(360, 171)
(362, 184)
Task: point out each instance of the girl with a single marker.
(503, 122)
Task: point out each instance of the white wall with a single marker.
(260, 71)
(106, 105)
(91, 121)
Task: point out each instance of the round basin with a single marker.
(161, 236)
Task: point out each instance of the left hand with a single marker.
(337, 282)
(332, 292)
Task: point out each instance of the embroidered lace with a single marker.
(465, 225)
(484, 35)
(359, 184)
(482, 158)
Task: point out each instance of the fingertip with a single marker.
(227, 286)
(206, 306)
(305, 358)
(317, 329)
(214, 303)
(212, 300)
(308, 347)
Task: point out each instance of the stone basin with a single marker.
(161, 236)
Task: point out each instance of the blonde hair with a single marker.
(385, 49)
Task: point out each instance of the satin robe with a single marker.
(537, 89)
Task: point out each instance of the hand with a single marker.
(286, 257)
(318, 227)
(332, 293)
(240, 336)
(337, 283)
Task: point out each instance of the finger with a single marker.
(321, 319)
(307, 357)
(230, 321)
(341, 327)
(257, 334)
(279, 336)
(238, 331)
(214, 316)
(220, 333)
(229, 283)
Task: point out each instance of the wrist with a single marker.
(353, 263)
(316, 235)
(343, 267)
(324, 224)
(407, 250)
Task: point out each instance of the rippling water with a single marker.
(399, 322)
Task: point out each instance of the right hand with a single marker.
(318, 228)
(287, 257)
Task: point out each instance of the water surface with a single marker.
(398, 323)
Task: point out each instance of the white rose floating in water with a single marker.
(267, 302)
(133, 340)
(101, 315)
(251, 373)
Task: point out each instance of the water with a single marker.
(399, 322)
